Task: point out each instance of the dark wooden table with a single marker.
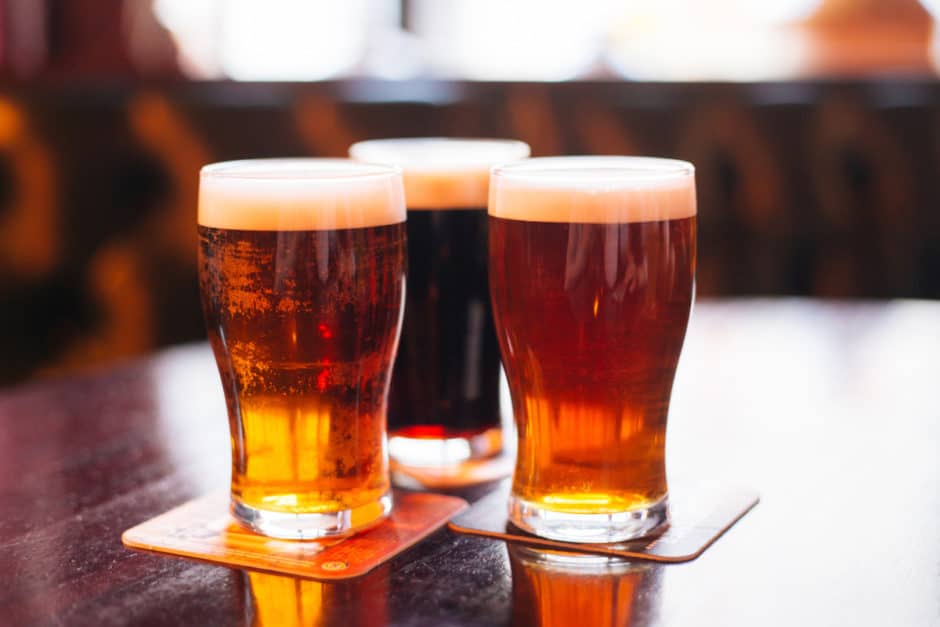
(831, 410)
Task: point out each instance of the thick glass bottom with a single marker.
(447, 451)
(600, 528)
(311, 526)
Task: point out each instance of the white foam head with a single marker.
(598, 190)
(299, 195)
(442, 172)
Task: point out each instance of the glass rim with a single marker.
(594, 170)
(401, 151)
(593, 189)
(309, 170)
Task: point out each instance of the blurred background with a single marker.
(814, 125)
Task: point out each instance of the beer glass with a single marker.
(444, 400)
(592, 266)
(302, 275)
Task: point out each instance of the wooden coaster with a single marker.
(204, 529)
(460, 475)
(699, 513)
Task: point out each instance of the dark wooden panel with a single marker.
(805, 188)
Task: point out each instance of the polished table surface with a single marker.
(831, 410)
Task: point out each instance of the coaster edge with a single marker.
(753, 499)
(131, 540)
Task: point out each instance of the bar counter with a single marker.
(829, 409)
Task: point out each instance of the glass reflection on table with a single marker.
(552, 588)
(282, 601)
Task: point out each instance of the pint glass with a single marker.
(592, 265)
(444, 400)
(302, 272)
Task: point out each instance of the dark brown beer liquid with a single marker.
(446, 378)
(303, 325)
(591, 319)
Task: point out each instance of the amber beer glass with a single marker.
(302, 273)
(592, 266)
(444, 400)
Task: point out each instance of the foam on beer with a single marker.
(595, 190)
(299, 195)
(440, 172)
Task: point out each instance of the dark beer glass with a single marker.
(444, 400)
(592, 266)
(302, 273)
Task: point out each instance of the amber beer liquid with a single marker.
(302, 269)
(592, 265)
(444, 400)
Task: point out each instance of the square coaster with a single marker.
(204, 529)
(699, 513)
(460, 475)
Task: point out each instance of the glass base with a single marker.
(599, 528)
(412, 451)
(311, 526)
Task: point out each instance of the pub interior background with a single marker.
(814, 126)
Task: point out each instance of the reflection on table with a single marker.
(552, 588)
(279, 601)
